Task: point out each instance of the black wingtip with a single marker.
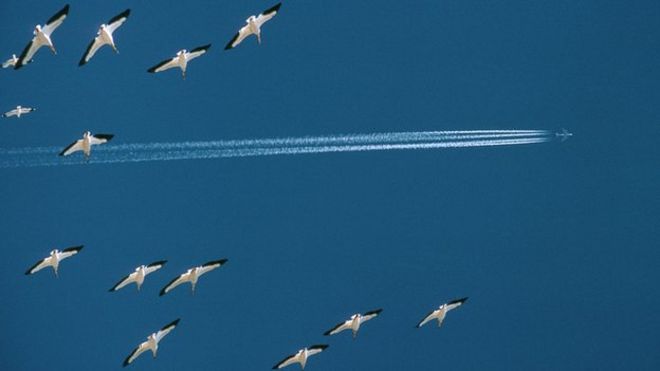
(160, 262)
(376, 311)
(221, 262)
(274, 8)
(229, 44)
(107, 137)
(203, 47)
(461, 300)
(119, 16)
(74, 248)
(319, 346)
(173, 323)
(327, 333)
(152, 70)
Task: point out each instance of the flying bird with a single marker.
(353, 323)
(138, 276)
(441, 312)
(564, 134)
(180, 60)
(301, 356)
(18, 111)
(85, 144)
(54, 259)
(151, 343)
(253, 26)
(42, 36)
(104, 36)
(192, 275)
(11, 62)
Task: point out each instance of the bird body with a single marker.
(85, 144)
(353, 323)
(42, 37)
(441, 312)
(180, 60)
(301, 356)
(139, 275)
(151, 343)
(18, 111)
(104, 36)
(54, 259)
(253, 26)
(192, 275)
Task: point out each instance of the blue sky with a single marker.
(555, 244)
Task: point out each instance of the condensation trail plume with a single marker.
(141, 152)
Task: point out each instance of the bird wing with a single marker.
(28, 52)
(93, 46)
(289, 360)
(209, 266)
(8, 63)
(428, 317)
(370, 315)
(11, 113)
(40, 265)
(314, 349)
(174, 283)
(124, 281)
(198, 51)
(338, 328)
(166, 329)
(56, 20)
(268, 14)
(73, 147)
(154, 266)
(68, 252)
(118, 20)
(164, 65)
(100, 138)
(240, 36)
(27, 109)
(455, 304)
(136, 353)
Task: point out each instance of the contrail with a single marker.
(140, 152)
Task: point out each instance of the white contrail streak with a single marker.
(140, 152)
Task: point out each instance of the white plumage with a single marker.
(253, 26)
(42, 37)
(104, 36)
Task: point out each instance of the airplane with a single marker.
(564, 134)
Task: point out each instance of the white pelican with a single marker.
(18, 111)
(180, 60)
(441, 312)
(353, 323)
(253, 26)
(42, 37)
(192, 275)
(104, 36)
(301, 356)
(151, 343)
(139, 274)
(85, 144)
(54, 259)
(11, 62)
